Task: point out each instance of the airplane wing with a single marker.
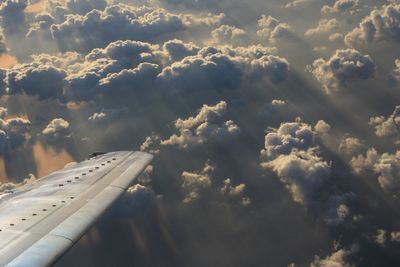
(41, 221)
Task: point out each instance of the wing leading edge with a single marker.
(40, 221)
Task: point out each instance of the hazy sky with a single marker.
(275, 124)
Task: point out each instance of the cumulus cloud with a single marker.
(126, 67)
(381, 24)
(389, 126)
(208, 125)
(13, 132)
(224, 67)
(325, 26)
(97, 27)
(288, 137)
(41, 78)
(302, 173)
(232, 190)
(343, 67)
(322, 128)
(151, 144)
(292, 153)
(339, 258)
(235, 191)
(396, 71)
(227, 34)
(340, 6)
(195, 182)
(350, 145)
(105, 115)
(274, 30)
(57, 129)
(178, 50)
(386, 166)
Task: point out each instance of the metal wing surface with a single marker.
(42, 220)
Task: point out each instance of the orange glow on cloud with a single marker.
(76, 106)
(48, 160)
(37, 7)
(7, 61)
